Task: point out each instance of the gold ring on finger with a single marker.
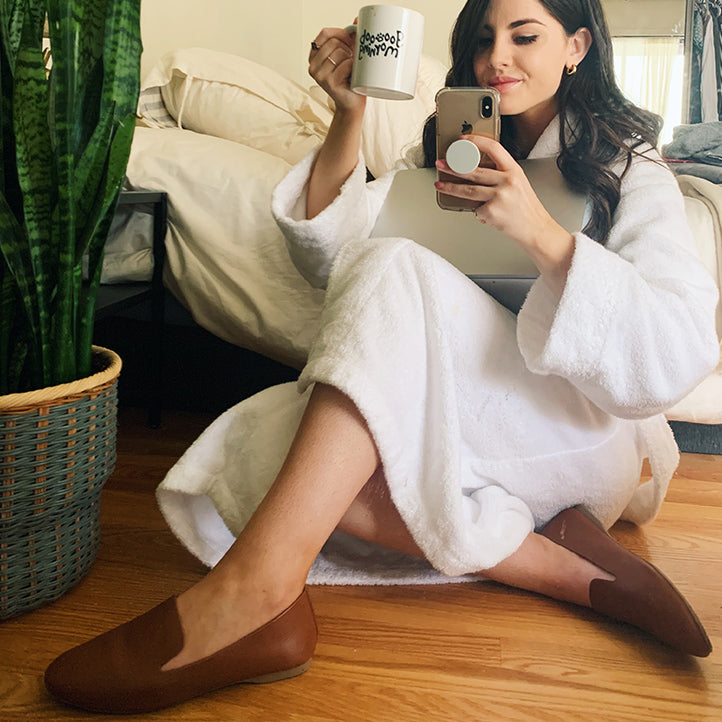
(332, 61)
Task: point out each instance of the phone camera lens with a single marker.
(486, 107)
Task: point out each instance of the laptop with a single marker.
(493, 261)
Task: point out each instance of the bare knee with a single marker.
(361, 518)
(373, 517)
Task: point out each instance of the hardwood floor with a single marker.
(449, 653)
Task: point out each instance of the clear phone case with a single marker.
(463, 111)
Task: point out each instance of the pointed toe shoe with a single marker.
(120, 672)
(639, 595)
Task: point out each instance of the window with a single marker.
(650, 72)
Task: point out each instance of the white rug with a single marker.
(345, 560)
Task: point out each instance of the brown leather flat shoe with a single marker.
(640, 595)
(119, 672)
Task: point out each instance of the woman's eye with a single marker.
(525, 39)
(483, 42)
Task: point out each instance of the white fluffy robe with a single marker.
(487, 424)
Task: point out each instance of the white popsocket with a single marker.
(463, 156)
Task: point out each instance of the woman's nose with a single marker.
(499, 54)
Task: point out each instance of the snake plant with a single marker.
(64, 142)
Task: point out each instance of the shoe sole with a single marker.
(278, 676)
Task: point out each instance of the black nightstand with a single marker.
(113, 298)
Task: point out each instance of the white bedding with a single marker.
(227, 260)
(217, 134)
(703, 203)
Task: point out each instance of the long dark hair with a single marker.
(598, 124)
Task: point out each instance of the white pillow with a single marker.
(234, 98)
(391, 127)
(230, 97)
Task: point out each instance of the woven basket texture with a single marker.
(54, 460)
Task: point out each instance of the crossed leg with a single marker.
(331, 476)
(538, 565)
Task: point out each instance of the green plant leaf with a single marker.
(89, 177)
(64, 146)
(15, 254)
(34, 160)
(65, 22)
(15, 341)
(12, 13)
(122, 53)
(117, 163)
(11, 21)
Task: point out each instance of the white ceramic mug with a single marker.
(387, 53)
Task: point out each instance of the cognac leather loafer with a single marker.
(640, 594)
(119, 672)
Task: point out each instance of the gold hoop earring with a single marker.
(571, 70)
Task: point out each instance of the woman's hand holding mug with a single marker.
(330, 63)
(377, 56)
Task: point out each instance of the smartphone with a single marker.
(463, 111)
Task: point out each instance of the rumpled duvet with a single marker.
(487, 424)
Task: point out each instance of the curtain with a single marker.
(706, 66)
(650, 73)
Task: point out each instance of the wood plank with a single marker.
(454, 652)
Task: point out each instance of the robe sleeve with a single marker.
(313, 244)
(634, 328)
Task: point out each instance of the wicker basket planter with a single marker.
(57, 450)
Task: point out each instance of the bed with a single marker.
(217, 132)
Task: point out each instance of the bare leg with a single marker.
(329, 464)
(331, 458)
(538, 565)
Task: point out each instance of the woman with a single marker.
(498, 424)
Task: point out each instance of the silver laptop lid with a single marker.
(477, 250)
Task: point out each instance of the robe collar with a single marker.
(547, 146)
